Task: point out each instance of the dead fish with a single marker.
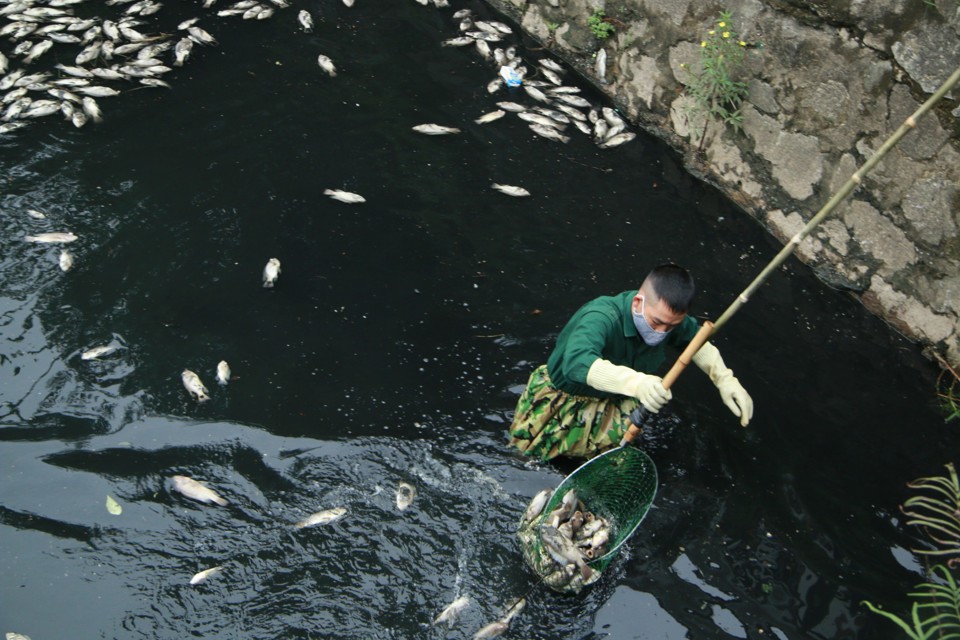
(306, 22)
(572, 100)
(549, 133)
(617, 140)
(563, 550)
(53, 237)
(39, 215)
(535, 93)
(97, 91)
(12, 635)
(181, 51)
(484, 49)
(200, 35)
(511, 106)
(535, 508)
(321, 517)
(7, 127)
(270, 273)
(37, 50)
(460, 41)
(327, 65)
(91, 108)
(193, 385)
(344, 196)
(490, 117)
(197, 491)
(510, 190)
(66, 260)
(572, 112)
(452, 611)
(205, 574)
(612, 117)
(492, 630)
(406, 492)
(435, 129)
(542, 120)
(494, 85)
(223, 372)
(96, 352)
(600, 66)
(547, 63)
(552, 76)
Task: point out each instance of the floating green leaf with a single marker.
(113, 506)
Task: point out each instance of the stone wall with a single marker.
(828, 83)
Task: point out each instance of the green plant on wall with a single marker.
(714, 90)
(599, 25)
(948, 390)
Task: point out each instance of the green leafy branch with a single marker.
(600, 25)
(937, 514)
(714, 90)
(936, 607)
(936, 614)
(948, 388)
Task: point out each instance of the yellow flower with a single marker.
(703, 43)
(711, 32)
(726, 34)
(742, 43)
(721, 24)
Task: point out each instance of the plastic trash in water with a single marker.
(510, 76)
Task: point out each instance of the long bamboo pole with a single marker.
(852, 183)
(638, 417)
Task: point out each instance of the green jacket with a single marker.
(603, 328)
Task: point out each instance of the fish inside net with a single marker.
(617, 486)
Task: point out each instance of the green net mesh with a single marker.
(618, 486)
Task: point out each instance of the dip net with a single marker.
(618, 486)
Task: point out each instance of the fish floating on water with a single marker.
(198, 491)
(271, 271)
(435, 129)
(66, 260)
(344, 196)
(97, 352)
(55, 237)
(193, 385)
(204, 575)
(223, 372)
(510, 190)
(327, 65)
(452, 611)
(306, 22)
(490, 117)
(321, 517)
(406, 493)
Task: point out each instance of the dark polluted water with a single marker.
(393, 348)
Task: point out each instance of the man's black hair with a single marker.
(674, 285)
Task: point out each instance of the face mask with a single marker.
(650, 336)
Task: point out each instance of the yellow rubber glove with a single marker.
(731, 391)
(613, 378)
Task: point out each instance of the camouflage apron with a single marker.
(550, 423)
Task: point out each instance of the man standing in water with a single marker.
(578, 404)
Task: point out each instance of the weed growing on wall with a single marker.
(714, 90)
(599, 25)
